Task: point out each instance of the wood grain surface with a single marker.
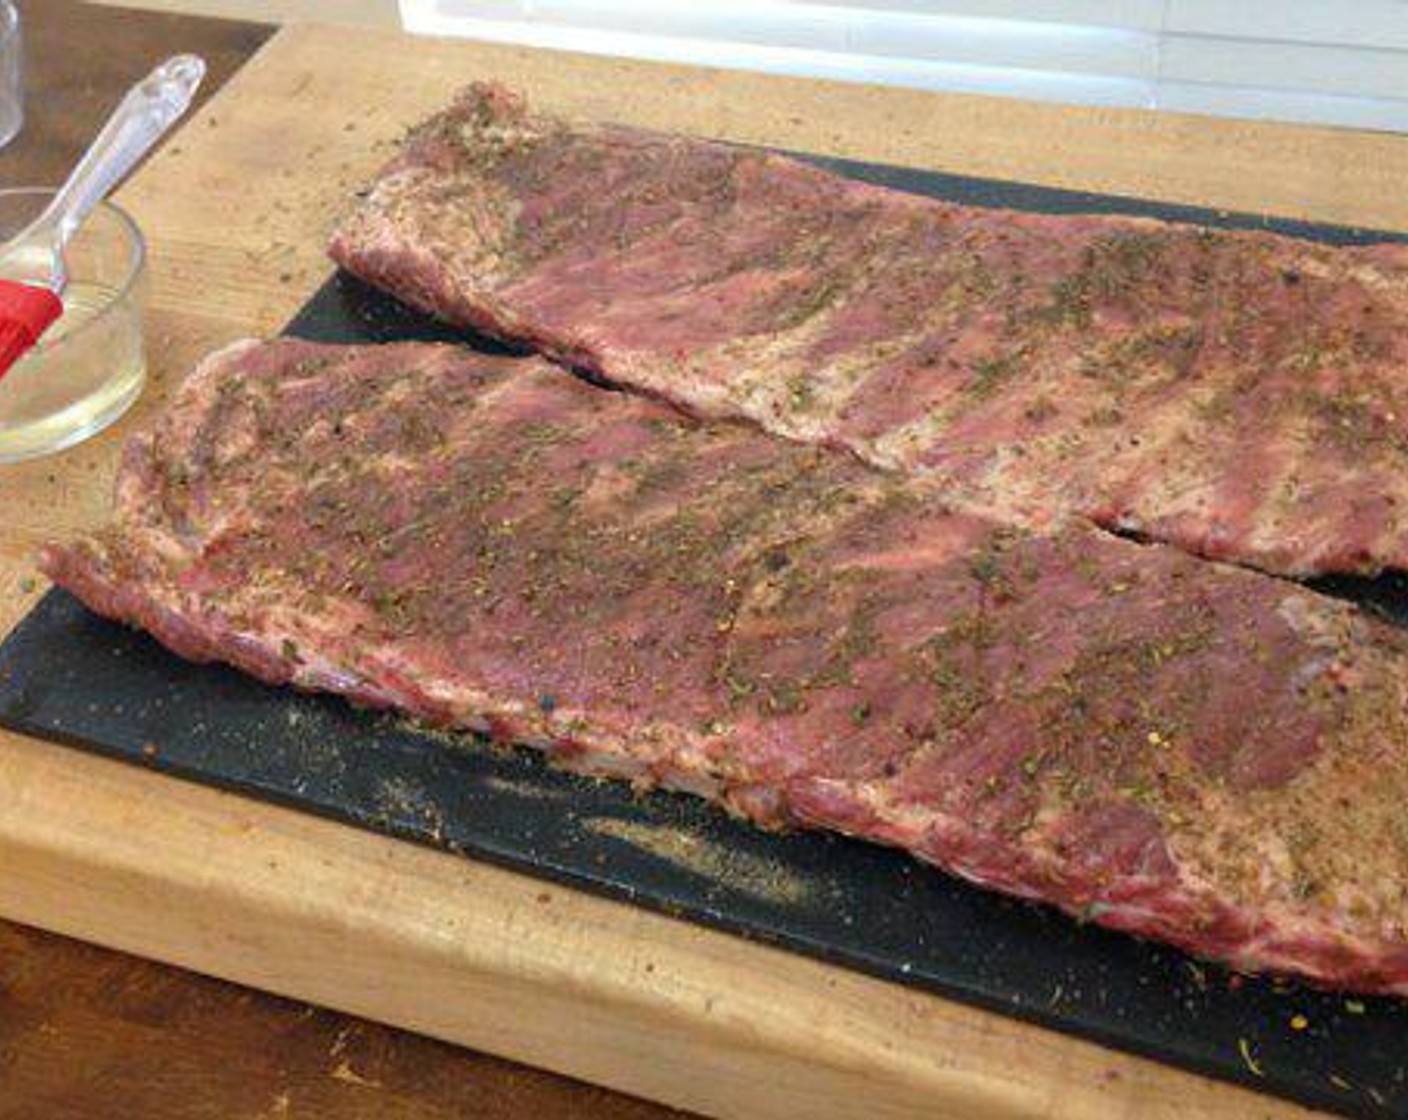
(237, 208)
(87, 1033)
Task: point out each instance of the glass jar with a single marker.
(11, 73)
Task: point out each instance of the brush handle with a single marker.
(139, 121)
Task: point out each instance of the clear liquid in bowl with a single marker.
(89, 380)
(91, 364)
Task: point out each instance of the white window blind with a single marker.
(1339, 62)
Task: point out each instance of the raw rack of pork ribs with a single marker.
(916, 618)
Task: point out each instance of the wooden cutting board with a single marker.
(237, 207)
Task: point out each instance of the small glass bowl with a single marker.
(91, 364)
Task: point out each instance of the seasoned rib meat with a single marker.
(1240, 395)
(1185, 750)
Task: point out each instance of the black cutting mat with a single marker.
(69, 676)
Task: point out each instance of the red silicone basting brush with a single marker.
(33, 273)
(26, 310)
